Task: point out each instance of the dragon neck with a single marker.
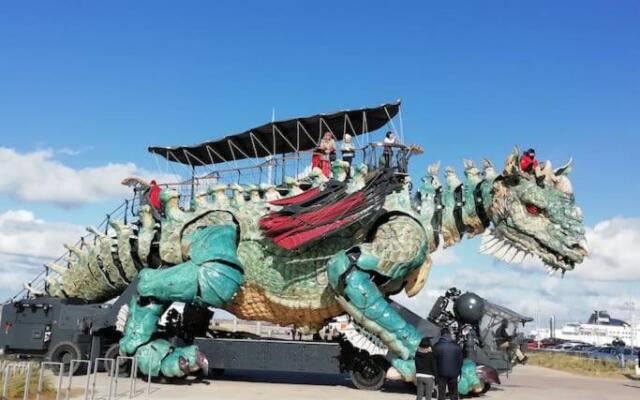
(451, 211)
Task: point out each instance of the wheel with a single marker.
(125, 365)
(64, 352)
(367, 374)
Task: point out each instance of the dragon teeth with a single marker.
(519, 257)
(500, 253)
(490, 248)
(510, 254)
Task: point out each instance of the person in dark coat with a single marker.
(449, 361)
(426, 369)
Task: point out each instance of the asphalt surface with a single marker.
(526, 383)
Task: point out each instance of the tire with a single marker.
(367, 374)
(64, 352)
(113, 352)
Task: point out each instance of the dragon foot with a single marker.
(160, 358)
(404, 370)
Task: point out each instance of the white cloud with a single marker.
(443, 257)
(614, 254)
(22, 234)
(26, 244)
(37, 176)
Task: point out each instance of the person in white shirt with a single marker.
(389, 140)
(348, 151)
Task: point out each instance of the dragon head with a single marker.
(535, 216)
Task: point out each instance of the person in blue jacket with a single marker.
(449, 360)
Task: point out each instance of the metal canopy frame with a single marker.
(281, 137)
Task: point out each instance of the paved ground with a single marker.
(527, 383)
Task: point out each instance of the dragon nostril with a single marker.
(581, 247)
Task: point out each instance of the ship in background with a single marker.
(600, 329)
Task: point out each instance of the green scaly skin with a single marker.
(333, 274)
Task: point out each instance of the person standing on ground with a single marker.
(426, 369)
(449, 361)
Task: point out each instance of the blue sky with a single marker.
(107, 80)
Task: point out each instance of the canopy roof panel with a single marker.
(279, 137)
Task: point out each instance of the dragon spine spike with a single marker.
(56, 268)
(73, 249)
(94, 231)
(434, 168)
(30, 289)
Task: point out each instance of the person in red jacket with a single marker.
(529, 164)
(154, 195)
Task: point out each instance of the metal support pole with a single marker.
(193, 180)
(41, 378)
(27, 382)
(132, 380)
(111, 370)
(8, 372)
(106, 224)
(126, 210)
(86, 384)
(283, 167)
(148, 389)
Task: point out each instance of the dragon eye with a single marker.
(533, 209)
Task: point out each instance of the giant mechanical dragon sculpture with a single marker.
(340, 246)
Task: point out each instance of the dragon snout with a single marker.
(581, 248)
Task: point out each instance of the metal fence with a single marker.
(21, 373)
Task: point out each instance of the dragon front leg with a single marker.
(398, 248)
(211, 277)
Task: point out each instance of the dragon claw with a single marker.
(183, 364)
(202, 362)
